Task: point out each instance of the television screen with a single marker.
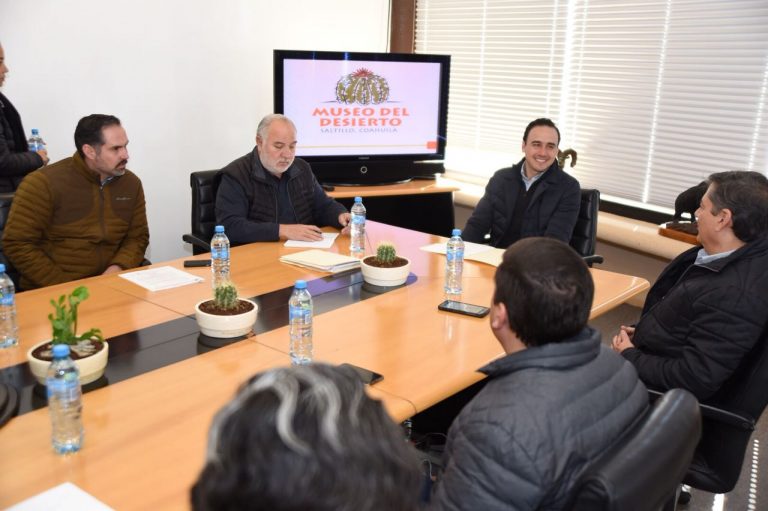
(365, 117)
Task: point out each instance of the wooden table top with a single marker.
(413, 187)
(145, 436)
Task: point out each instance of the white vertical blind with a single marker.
(653, 94)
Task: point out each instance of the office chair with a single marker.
(584, 237)
(204, 185)
(728, 420)
(643, 470)
(6, 199)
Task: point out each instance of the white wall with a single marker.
(189, 79)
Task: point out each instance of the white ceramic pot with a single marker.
(225, 327)
(385, 277)
(91, 368)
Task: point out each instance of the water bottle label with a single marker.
(66, 389)
(358, 219)
(220, 253)
(452, 255)
(6, 299)
(300, 314)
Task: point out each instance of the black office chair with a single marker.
(584, 237)
(645, 467)
(204, 185)
(6, 199)
(729, 419)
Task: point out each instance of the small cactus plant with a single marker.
(225, 296)
(385, 252)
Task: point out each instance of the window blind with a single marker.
(653, 94)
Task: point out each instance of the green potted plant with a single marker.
(226, 315)
(386, 268)
(89, 350)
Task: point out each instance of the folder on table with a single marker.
(322, 260)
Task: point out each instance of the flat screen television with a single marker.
(365, 118)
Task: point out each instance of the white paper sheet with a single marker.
(327, 242)
(472, 252)
(64, 497)
(164, 277)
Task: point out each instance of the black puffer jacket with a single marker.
(699, 322)
(552, 211)
(247, 199)
(523, 441)
(15, 160)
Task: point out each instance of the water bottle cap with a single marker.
(456, 232)
(34, 131)
(358, 199)
(60, 350)
(2, 268)
(218, 228)
(301, 284)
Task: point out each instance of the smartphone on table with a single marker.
(468, 309)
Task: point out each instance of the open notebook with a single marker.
(322, 260)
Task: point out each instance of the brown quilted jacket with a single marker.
(64, 225)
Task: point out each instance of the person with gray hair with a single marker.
(306, 437)
(269, 194)
(708, 310)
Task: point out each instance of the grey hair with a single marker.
(321, 395)
(306, 437)
(267, 121)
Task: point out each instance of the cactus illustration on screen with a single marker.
(363, 87)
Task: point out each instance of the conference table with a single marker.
(146, 433)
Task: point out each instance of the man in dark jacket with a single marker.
(533, 198)
(709, 307)
(16, 161)
(553, 404)
(268, 194)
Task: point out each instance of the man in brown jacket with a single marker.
(81, 216)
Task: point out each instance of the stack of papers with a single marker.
(322, 260)
(472, 252)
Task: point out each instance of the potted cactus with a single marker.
(89, 350)
(226, 315)
(386, 268)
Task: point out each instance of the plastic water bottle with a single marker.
(64, 401)
(36, 142)
(300, 320)
(9, 330)
(357, 234)
(219, 256)
(454, 263)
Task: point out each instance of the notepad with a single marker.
(322, 260)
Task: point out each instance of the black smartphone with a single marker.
(477, 311)
(366, 375)
(197, 263)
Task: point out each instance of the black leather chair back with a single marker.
(729, 418)
(643, 470)
(6, 199)
(204, 185)
(584, 237)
